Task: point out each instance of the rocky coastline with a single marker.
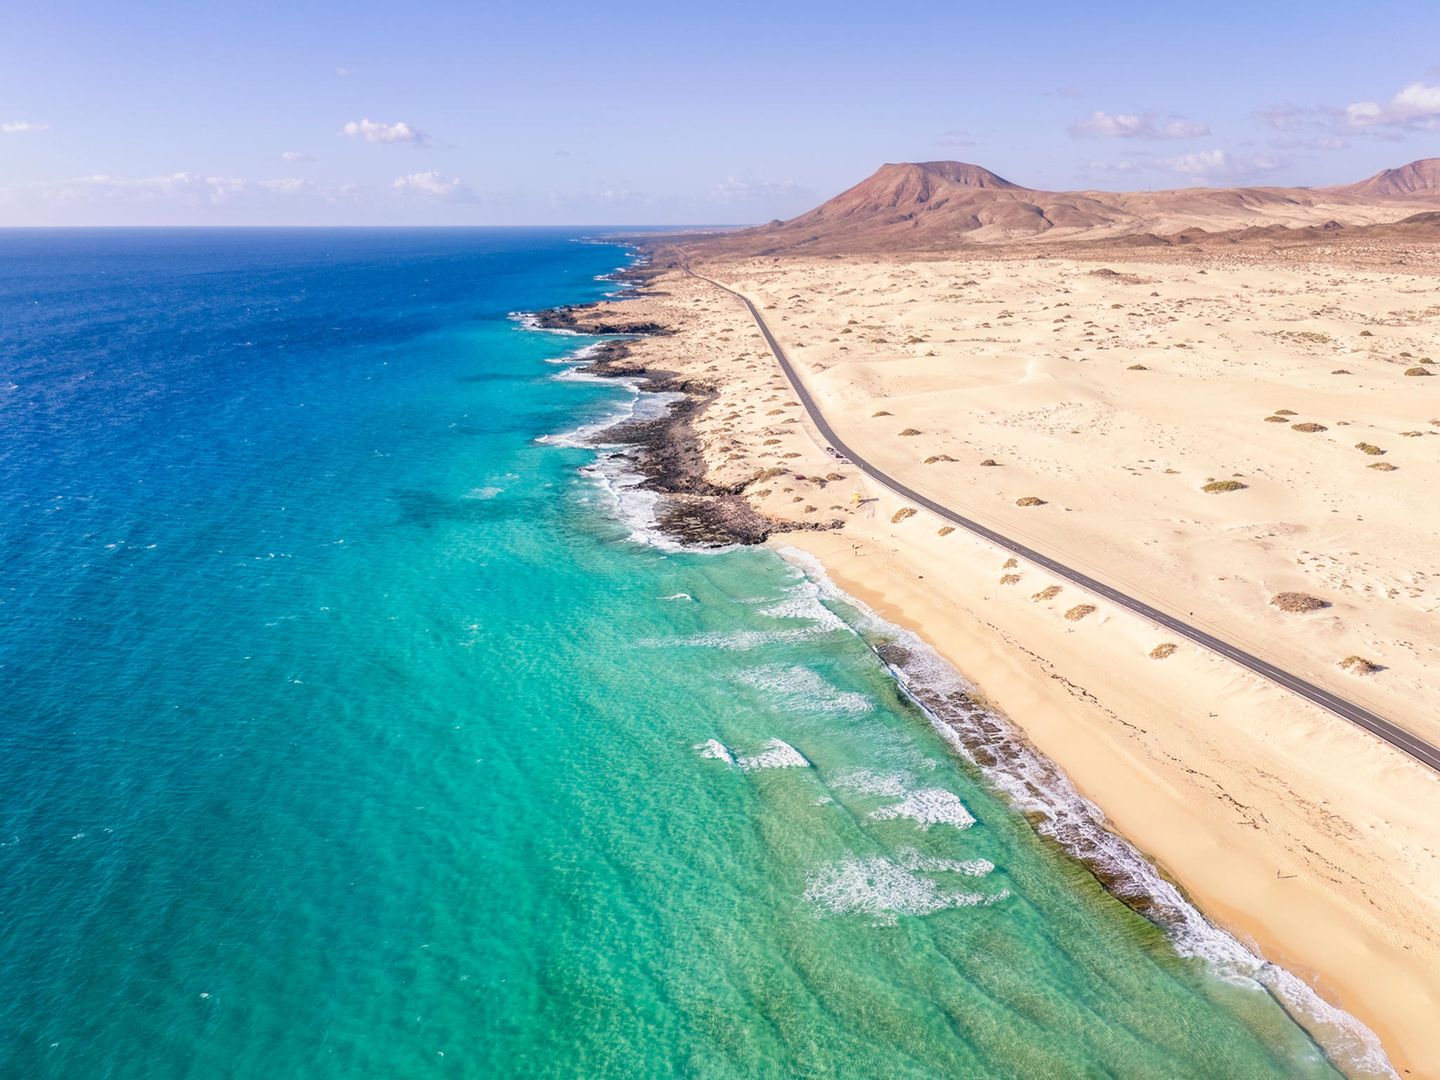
(666, 451)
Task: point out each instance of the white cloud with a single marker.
(1118, 167)
(1304, 128)
(607, 197)
(287, 185)
(615, 196)
(433, 185)
(377, 132)
(734, 189)
(1105, 125)
(1211, 166)
(1285, 117)
(1414, 108)
(22, 127)
(181, 188)
(955, 139)
(1310, 142)
(295, 155)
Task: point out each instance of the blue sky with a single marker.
(646, 113)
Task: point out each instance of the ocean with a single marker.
(353, 724)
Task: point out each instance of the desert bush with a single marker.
(1285, 412)
(1079, 611)
(933, 458)
(1009, 579)
(1298, 602)
(1358, 665)
(1417, 371)
(1215, 487)
(1276, 420)
(1160, 652)
(1369, 448)
(1309, 427)
(1047, 593)
(990, 463)
(901, 514)
(1010, 563)
(909, 431)
(1030, 500)
(946, 530)
(1137, 367)
(1382, 466)
(882, 412)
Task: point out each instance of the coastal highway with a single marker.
(1396, 736)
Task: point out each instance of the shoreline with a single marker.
(1036, 787)
(664, 451)
(826, 546)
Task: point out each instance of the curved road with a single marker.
(1396, 736)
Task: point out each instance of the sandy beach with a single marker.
(1108, 391)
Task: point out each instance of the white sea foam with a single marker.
(774, 754)
(868, 782)
(730, 640)
(613, 473)
(802, 601)
(1036, 786)
(678, 596)
(530, 320)
(638, 406)
(801, 688)
(927, 807)
(714, 748)
(577, 356)
(628, 501)
(884, 889)
(911, 859)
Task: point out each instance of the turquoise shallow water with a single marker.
(348, 732)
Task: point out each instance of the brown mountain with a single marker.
(921, 204)
(935, 205)
(1418, 178)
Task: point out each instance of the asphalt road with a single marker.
(1396, 736)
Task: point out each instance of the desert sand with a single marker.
(1115, 386)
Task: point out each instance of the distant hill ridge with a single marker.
(1418, 178)
(936, 204)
